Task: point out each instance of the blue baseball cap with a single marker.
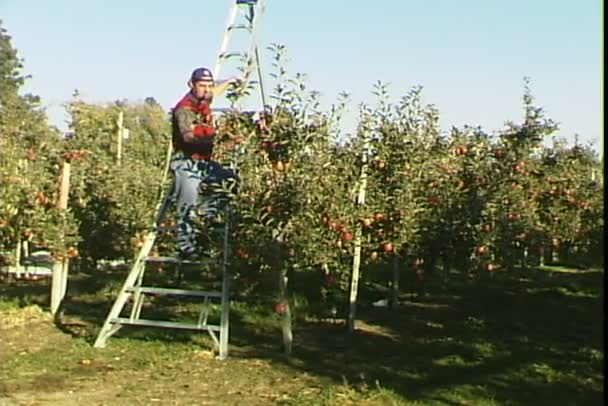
(201, 74)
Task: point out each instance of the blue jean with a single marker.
(190, 176)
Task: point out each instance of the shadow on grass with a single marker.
(533, 337)
(520, 338)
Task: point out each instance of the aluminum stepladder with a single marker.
(244, 18)
(132, 288)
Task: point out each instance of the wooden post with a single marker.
(119, 137)
(18, 266)
(286, 327)
(60, 267)
(56, 287)
(64, 186)
(354, 282)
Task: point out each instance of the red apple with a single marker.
(379, 216)
(241, 253)
(387, 247)
(482, 249)
(333, 225)
(281, 307)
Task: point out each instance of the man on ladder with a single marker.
(192, 164)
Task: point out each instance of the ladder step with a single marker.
(174, 260)
(163, 324)
(222, 109)
(174, 292)
(225, 109)
(227, 55)
(240, 27)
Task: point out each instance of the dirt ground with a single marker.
(78, 375)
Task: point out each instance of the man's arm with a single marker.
(184, 119)
(221, 86)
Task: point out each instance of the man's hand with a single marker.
(235, 81)
(222, 86)
(261, 124)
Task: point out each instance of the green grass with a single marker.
(519, 338)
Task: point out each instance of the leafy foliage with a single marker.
(29, 165)
(463, 200)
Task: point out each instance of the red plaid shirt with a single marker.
(193, 130)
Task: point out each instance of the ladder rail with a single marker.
(138, 298)
(123, 295)
(256, 23)
(260, 79)
(204, 314)
(250, 58)
(226, 39)
(225, 315)
(165, 197)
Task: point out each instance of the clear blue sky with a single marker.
(469, 55)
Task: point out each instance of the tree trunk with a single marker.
(395, 284)
(60, 267)
(285, 312)
(541, 254)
